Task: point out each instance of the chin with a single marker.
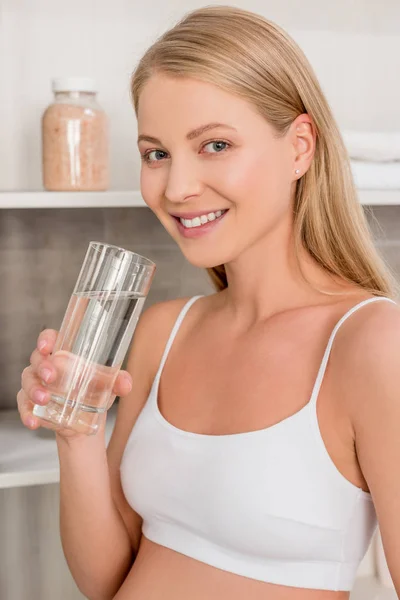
(206, 260)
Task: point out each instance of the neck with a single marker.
(266, 279)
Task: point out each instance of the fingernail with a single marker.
(45, 374)
(128, 381)
(39, 396)
(42, 344)
(31, 421)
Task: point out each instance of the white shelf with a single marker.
(133, 198)
(43, 199)
(30, 457)
(379, 197)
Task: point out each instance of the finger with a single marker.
(46, 341)
(25, 408)
(123, 384)
(43, 367)
(30, 383)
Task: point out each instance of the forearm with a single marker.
(95, 541)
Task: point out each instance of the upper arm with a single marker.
(145, 353)
(370, 375)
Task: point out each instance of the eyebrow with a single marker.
(189, 136)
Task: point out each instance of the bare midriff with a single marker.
(160, 573)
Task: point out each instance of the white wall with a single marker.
(353, 46)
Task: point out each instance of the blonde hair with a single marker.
(249, 56)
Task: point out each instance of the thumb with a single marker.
(123, 384)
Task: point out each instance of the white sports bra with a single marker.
(268, 504)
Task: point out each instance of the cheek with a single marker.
(151, 186)
(258, 180)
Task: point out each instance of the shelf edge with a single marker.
(44, 199)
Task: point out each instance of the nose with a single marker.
(183, 180)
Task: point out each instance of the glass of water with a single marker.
(95, 335)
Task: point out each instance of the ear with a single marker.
(303, 136)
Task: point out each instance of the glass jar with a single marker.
(75, 138)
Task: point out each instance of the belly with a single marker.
(159, 573)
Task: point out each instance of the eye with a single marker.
(154, 156)
(217, 146)
(147, 156)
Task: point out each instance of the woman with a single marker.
(224, 478)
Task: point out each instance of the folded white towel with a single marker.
(372, 145)
(376, 176)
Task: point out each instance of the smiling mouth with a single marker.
(201, 219)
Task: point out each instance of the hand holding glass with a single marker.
(95, 335)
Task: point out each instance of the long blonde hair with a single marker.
(249, 56)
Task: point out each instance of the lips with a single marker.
(193, 215)
(200, 230)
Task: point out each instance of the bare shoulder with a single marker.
(159, 318)
(367, 350)
(370, 338)
(150, 337)
(368, 380)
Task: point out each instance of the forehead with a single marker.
(167, 100)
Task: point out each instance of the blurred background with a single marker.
(354, 48)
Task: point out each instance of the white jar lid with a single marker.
(73, 84)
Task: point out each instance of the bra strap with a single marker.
(321, 372)
(174, 331)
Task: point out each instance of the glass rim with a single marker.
(143, 259)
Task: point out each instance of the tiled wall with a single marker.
(41, 252)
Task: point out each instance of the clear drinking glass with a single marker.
(95, 335)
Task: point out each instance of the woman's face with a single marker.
(232, 183)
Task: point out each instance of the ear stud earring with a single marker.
(297, 171)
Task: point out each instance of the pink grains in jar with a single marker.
(75, 138)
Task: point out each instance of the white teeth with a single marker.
(196, 222)
(202, 220)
